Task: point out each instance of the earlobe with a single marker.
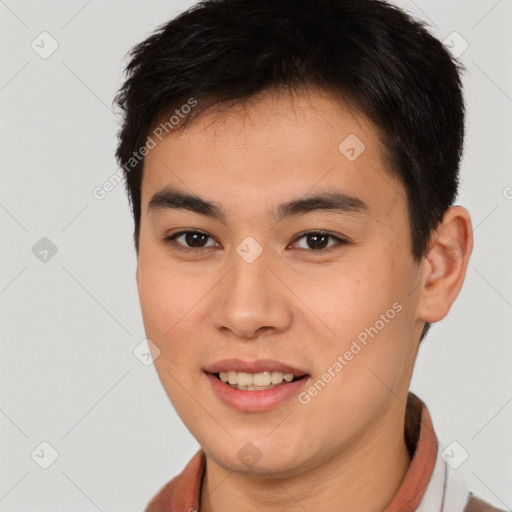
(445, 264)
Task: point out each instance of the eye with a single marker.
(190, 240)
(318, 241)
(315, 241)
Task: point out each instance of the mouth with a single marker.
(255, 386)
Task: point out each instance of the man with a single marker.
(292, 167)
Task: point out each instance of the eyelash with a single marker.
(171, 241)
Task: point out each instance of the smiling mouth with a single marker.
(256, 381)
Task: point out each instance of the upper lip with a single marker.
(256, 366)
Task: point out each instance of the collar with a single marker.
(423, 488)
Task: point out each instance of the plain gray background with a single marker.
(71, 320)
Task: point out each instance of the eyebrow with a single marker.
(329, 200)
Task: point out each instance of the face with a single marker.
(253, 269)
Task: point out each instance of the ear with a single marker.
(443, 268)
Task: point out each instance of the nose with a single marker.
(251, 300)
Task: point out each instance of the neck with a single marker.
(364, 476)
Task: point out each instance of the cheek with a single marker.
(157, 301)
(176, 310)
(347, 298)
(365, 308)
(161, 284)
(167, 301)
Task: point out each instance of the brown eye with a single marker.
(319, 241)
(189, 240)
(194, 239)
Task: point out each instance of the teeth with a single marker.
(277, 377)
(258, 379)
(263, 379)
(245, 379)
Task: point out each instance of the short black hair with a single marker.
(370, 54)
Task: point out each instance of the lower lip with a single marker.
(255, 401)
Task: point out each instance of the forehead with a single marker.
(273, 147)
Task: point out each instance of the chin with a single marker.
(260, 458)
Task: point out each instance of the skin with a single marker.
(346, 446)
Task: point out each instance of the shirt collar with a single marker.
(421, 441)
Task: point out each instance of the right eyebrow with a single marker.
(173, 199)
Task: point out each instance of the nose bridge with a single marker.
(249, 276)
(251, 298)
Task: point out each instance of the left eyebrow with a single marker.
(329, 200)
